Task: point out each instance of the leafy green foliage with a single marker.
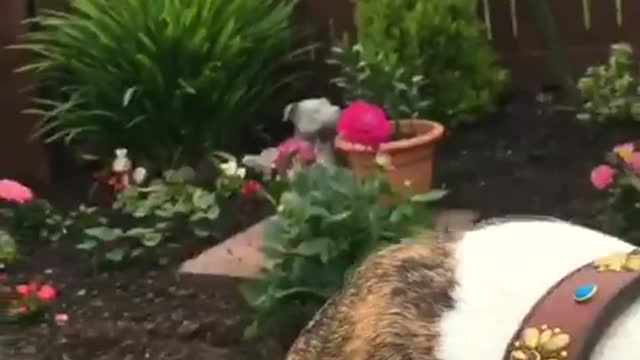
(8, 250)
(327, 222)
(169, 207)
(420, 58)
(167, 79)
(612, 91)
(31, 221)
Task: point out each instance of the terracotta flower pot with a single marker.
(411, 158)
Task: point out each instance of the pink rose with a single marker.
(294, 149)
(47, 293)
(23, 290)
(634, 162)
(13, 191)
(365, 124)
(602, 176)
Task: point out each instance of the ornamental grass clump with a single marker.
(170, 80)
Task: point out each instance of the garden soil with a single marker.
(523, 160)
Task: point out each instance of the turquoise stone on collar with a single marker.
(585, 292)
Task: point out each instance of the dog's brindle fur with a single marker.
(388, 310)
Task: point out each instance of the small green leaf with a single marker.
(104, 233)
(87, 245)
(430, 196)
(137, 252)
(115, 255)
(128, 95)
(316, 247)
(152, 240)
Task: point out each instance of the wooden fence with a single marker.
(512, 34)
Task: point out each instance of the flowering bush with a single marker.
(327, 220)
(24, 217)
(620, 178)
(26, 301)
(365, 124)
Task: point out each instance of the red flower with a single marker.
(365, 124)
(251, 187)
(47, 293)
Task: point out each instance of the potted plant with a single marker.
(405, 149)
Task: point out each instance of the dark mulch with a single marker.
(518, 162)
(526, 161)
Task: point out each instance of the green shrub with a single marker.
(167, 79)
(327, 222)
(611, 91)
(420, 58)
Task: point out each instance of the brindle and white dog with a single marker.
(459, 299)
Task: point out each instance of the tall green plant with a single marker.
(438, 42)
(167, 79)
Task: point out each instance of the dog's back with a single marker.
(436, 299)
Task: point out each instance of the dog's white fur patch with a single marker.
(503, 269)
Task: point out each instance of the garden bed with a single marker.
(520, 162)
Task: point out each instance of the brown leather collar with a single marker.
(559, 326)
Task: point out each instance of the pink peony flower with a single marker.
(47, 293)
(294, 149)
(602, 176)
(365, 124)
(13, 191)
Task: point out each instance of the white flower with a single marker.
(121, 163)
(229, 168)
(139, 175)
(241, 172)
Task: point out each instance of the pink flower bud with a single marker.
(602, 176)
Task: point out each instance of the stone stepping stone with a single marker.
(240, 257)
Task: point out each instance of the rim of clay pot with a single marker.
(422, 138)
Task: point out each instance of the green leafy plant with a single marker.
(620, 178)
(327, 221)
(420, 58)
(612, 91)
(8, 250)
(168, 207)
(167, 79)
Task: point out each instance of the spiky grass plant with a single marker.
(168, 79)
